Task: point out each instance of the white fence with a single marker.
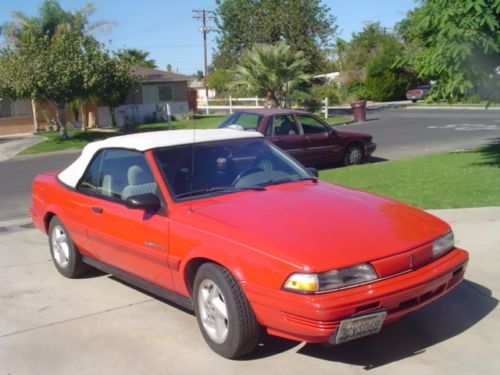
(230, 104)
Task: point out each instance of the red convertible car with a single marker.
(304, 136)
(225, 223)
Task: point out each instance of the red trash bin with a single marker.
(359, 110)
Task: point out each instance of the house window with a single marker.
(165, 93)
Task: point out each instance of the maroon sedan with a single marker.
(304, 136)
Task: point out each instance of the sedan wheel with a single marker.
(213, 311)
(65, 255)
(224, 315)
(353, 155)
(60, 247)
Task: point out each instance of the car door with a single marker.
(321, 144)
(284, 131)
(131, 240)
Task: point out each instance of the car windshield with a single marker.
(227, 166)
(242, 121)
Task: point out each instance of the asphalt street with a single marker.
(399, 133)
(404, 132)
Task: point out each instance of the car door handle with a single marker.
(97, 210)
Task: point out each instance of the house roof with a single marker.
(147, 141)
(157, 75)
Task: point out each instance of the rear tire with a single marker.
(354, 155)
(414, 100)
(224, 315)
(65, 255)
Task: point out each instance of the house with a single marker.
(15, 116)
(149, 102)
(199, 86)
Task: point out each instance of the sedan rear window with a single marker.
(248, 121)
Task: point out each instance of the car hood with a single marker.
(320, 226)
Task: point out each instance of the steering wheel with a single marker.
(244, 173)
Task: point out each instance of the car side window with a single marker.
(310, 125)
(119, 174)
(284, 125)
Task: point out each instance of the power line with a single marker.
(204, 15)
(152, 27)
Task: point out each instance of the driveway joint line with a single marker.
(76, 318)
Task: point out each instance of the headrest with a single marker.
(137, 176)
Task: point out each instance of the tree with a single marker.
(199, 75)
(136, 57)
(220, 81)
(51, 57)
(272, 71)
(367, 65)
(169, 68)
(456, 43)
(385, 80)
(305, 25)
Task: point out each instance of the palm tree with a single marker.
(272, 71)
(136, 57)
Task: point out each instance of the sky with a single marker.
(167, 30)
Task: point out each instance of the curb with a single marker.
(467, 108)
(44, 154)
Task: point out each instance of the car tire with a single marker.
(66, 257)
(354, 155)
(414, 100)
(225, 317)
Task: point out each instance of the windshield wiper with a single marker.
(218, 189)
(287, 179)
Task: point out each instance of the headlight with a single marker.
(331, 280)
(443, 244)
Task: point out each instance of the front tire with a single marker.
(224, 315)
(354, 155)
(65, 255)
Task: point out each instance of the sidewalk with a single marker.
(11, 145)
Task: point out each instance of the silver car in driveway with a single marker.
(417, 94)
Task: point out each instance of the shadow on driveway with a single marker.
(450, 316)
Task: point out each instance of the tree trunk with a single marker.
(82, 116)
(271, 100)
(112, 122)
(60, 108)
(35, 118)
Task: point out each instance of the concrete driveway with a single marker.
(97, 324)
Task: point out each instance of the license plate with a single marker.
(360, 326)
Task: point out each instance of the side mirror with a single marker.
(144, 201)
(313, 171)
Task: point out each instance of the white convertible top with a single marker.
(147, 141)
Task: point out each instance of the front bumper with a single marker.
(370, 148)
(314, 318)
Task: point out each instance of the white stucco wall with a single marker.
(137, 112)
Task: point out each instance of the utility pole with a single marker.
(204, 15)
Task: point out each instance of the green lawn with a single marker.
(445, 180)
(79, 139)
